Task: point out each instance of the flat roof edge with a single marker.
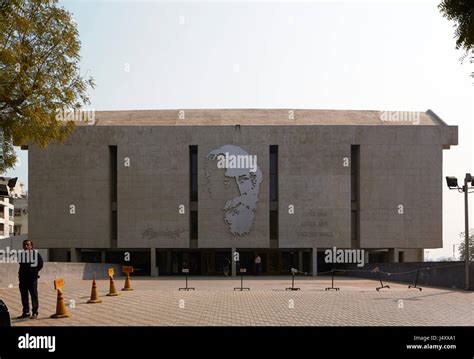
(436, 118)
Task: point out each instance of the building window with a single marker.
(274, 173)
(355, 195)
(274, 225)
(17, 230)
(355, 158)
(274, 192)
(114, 226)
(193, 192)
(113, 171)
(193, 172)
(194, 225)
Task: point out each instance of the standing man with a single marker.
(31, 263)
(227, 264)
(258, 264)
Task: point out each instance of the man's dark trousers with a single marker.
(29, 285)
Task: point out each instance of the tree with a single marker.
(462, 246)
(39, 74)
(462, 13)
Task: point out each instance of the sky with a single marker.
(372, 55)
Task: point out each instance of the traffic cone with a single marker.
(112, 291)
(94, 296)
(127, 286)
(61, 311)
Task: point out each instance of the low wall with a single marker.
(437, 274)
(53, 270)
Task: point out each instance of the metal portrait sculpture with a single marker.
(242, 167)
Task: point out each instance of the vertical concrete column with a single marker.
(153, 267)
(393, 255)
(75, 255)
(102, 259)
(314, 262)
(300, 260)
(233, 263)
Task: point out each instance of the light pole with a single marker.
(452, 183)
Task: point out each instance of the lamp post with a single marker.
(452, 183)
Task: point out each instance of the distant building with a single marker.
(17, 205)
(6, 217)
(21, 214)
(9, 189)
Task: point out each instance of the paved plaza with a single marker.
(157, 302)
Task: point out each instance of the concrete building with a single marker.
(20, 203)
(6, 217)
(294, 183)
(10, 188)
(14, 216)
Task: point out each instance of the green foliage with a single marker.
(462, 246)
(462, 13)
(39, 73)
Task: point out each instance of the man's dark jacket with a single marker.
(29, 273)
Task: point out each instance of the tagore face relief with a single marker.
(243, 170)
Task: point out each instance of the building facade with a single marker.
(7, 220)
(190, 188)
(20, 202)
(10, 190)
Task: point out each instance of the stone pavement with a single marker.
(157, 302)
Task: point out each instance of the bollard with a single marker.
(112, 291)
(294, 271)
(242, 271)
(332, 282)
(127, 270)
(377, 270)
(94, 297)
(186, 271)
(61, 311)
(416, 282)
